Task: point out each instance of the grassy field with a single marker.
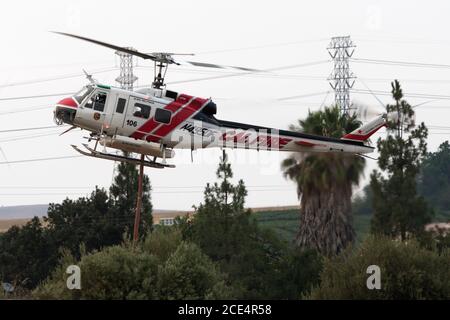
(6, 224)
(285, 223)
(442, 216)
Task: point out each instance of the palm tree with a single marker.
(324, 185)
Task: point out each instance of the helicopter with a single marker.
(154, 121)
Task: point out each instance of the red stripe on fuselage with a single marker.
(151, 124)
(177, 119)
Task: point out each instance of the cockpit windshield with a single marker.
(83, 93)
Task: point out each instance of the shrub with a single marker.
(161, 267)
(162, 242)
(190, 274)
(408, 271)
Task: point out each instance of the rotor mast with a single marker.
(161, 62)
(160, 74)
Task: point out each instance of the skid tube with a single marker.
(113, 157)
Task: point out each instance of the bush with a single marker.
(117, 272)
(408, 271)
(162, 242)
(298, 273)
(161, 267)
(189, 274)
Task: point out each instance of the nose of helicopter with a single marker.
(65, 111)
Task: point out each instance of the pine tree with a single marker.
(398, 210)
(434, 179)
(221, 215)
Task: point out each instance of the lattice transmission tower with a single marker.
(341, 78)
(126, 80)
(127, 77)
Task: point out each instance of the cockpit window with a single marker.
(97, 102)
(83, 93)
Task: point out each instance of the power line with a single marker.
(61, 77)
(273, 45)
(402, 40)
(37, 108)
(60, 65)
(432, 81)
(40, 159)
(401, 63)
(153, 187)
(250, 73)
(153, 192)
(304, 95)
(37, 96)
(412, 95)
(28, 137)
(30, 129)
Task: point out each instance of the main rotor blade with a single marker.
(166, 57)
(218, 66)
(111, 46)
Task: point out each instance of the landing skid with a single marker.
(108, 156)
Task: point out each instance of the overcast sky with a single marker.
(256, 34)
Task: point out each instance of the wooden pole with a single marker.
(137, 217)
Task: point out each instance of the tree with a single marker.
(144, 271)
(26, 254)
(398, 210)
(99, 220)
(258, 264)
(407, 271)
(123, 193)
(434, 178)
(222, 215)
(86, 220)
(190, 274)
(362, 203)
(324, 185)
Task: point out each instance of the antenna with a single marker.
(341, 78)
(89, 77)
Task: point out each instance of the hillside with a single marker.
(23, 212)
(6, 224)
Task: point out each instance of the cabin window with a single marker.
(97, 102)
(121, 105)
(163, 115)
(141, 110)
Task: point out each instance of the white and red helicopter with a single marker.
(154, 121)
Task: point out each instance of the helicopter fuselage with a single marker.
(155, 121)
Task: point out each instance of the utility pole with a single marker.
(126, 81)
(137, 217)
(126, 78)
(341, 78)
